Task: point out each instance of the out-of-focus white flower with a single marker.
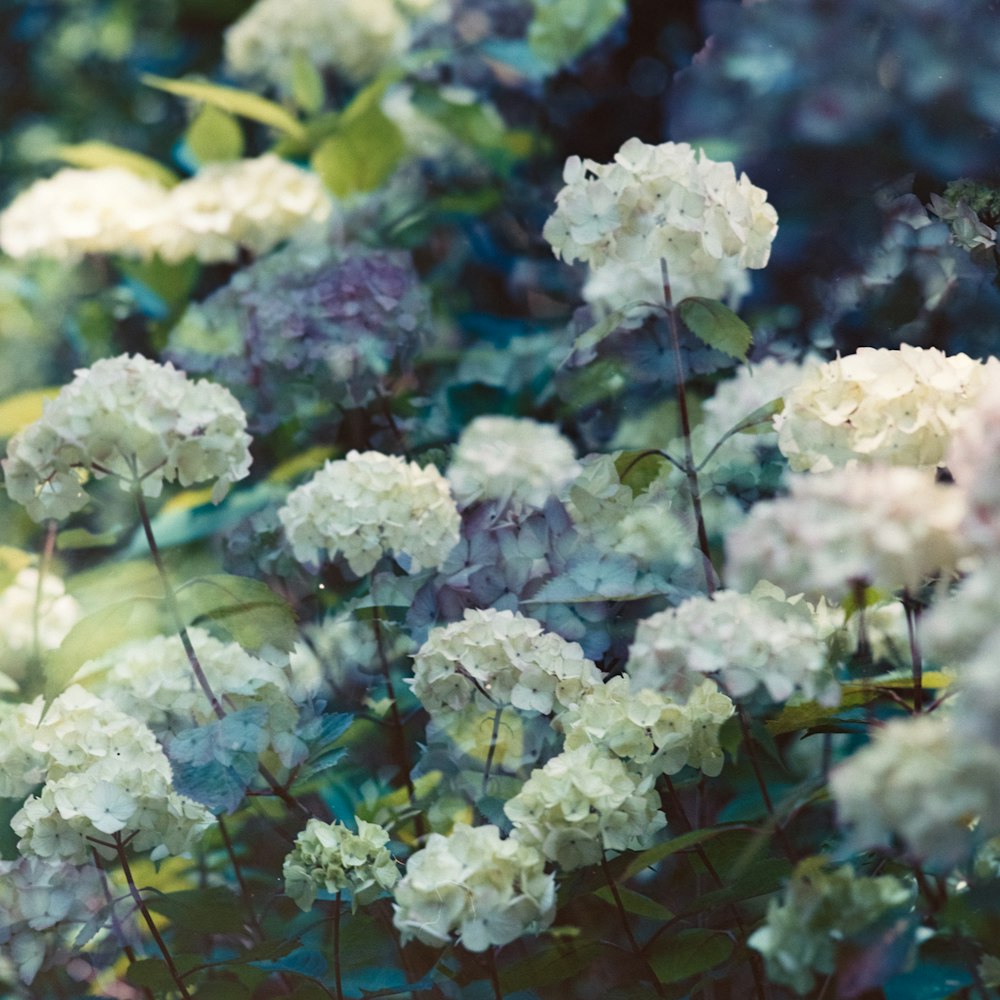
(899, 407)
(958, 627)
(369, 505)
(512, 459)
(331, 857)
(562, 29)
(583, 803)
(132, 418)
(885, 526)
(79, 212)
(22, 767)
(745, 640)
(920, 779)
(666, 202)
(22, 605)
(493, 658)
(822, 907)
(475, 887)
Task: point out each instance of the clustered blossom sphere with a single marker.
(513, 459)
(250, 205)
(899, 407)
(583, 803)
(495, 658)
(369, 505)
(921, 780)
(885, 526)
(330, 857)
(649, 729)
(667, 202)
(474, 887)
(132, 418)
(746, 640)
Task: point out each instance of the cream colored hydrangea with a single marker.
(22, 605)
(646, 728)
(79, 212)
(582, 804)
(821, 908)
(106, 777)
(369, 505)
(748, 641)
(495, 658)
(886, 526)
(898, 407)
(355, 38)
(922, 780)
(512, 459)
(474, 887)
(22, 767)
(332, 858)
(132, 418)
(667, 202)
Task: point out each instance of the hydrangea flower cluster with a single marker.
(22, 767)
(369, 505)
(132, 418)
(330, 857)
(648, 729)
(899, 407)
(41, 903)
(886, 526)
(822, 909)
(560, 30)
(251, 205)
(512, 459)
(106, 777)
(354, 38)
(666, 202)
(583, 803)
(495, 658)
(303, 328)
(474, 887)
(56, 613)
(746, 640)
(968, 231)
(921, 780)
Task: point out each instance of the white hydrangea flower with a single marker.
(667, 202)
(22, 767)
(899, 407)
(133, 418)
(920, 779)
(562, 29)
(886, 526)
(475, 887)
(331, 857)
(251, 205)
(820, 908)
(355, 38)
(707, 709)
(369, 505)
(513, 459)
(647, 728)
(583, 803)
(746, 640)
(493, 658)
(957, 628)
(56, 613)
(79, 212)
(968, 231)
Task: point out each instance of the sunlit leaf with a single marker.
(716, 326)
(94, 155)
(214, 136)
(24, 408)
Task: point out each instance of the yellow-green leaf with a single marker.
(214, 136)
(22, 409)
(94, 155)
(361, 155)
(307, 83)
(232, 99)
(717, 326)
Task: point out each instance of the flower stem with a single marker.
(912, 608)
(491, 753)
(336, 948)
(148, 917)
(51, 528)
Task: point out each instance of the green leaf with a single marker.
(214, 136)
(79, 538)
(555, 964)
(307, 83)
(654, 855)
(253, 614)
(717, 326)
(584, 347)
(24, 408)
(208, 910)
(635, 902)
(231, 99)
(151, 974)
(637, 469)
(94, 155)
(689, 953)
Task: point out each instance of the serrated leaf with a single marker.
(24, 408)
(689, 953)
(716, 326)
(637, 469)
(214, 136)
(253, 614)
(95, 155)
(232, 99)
